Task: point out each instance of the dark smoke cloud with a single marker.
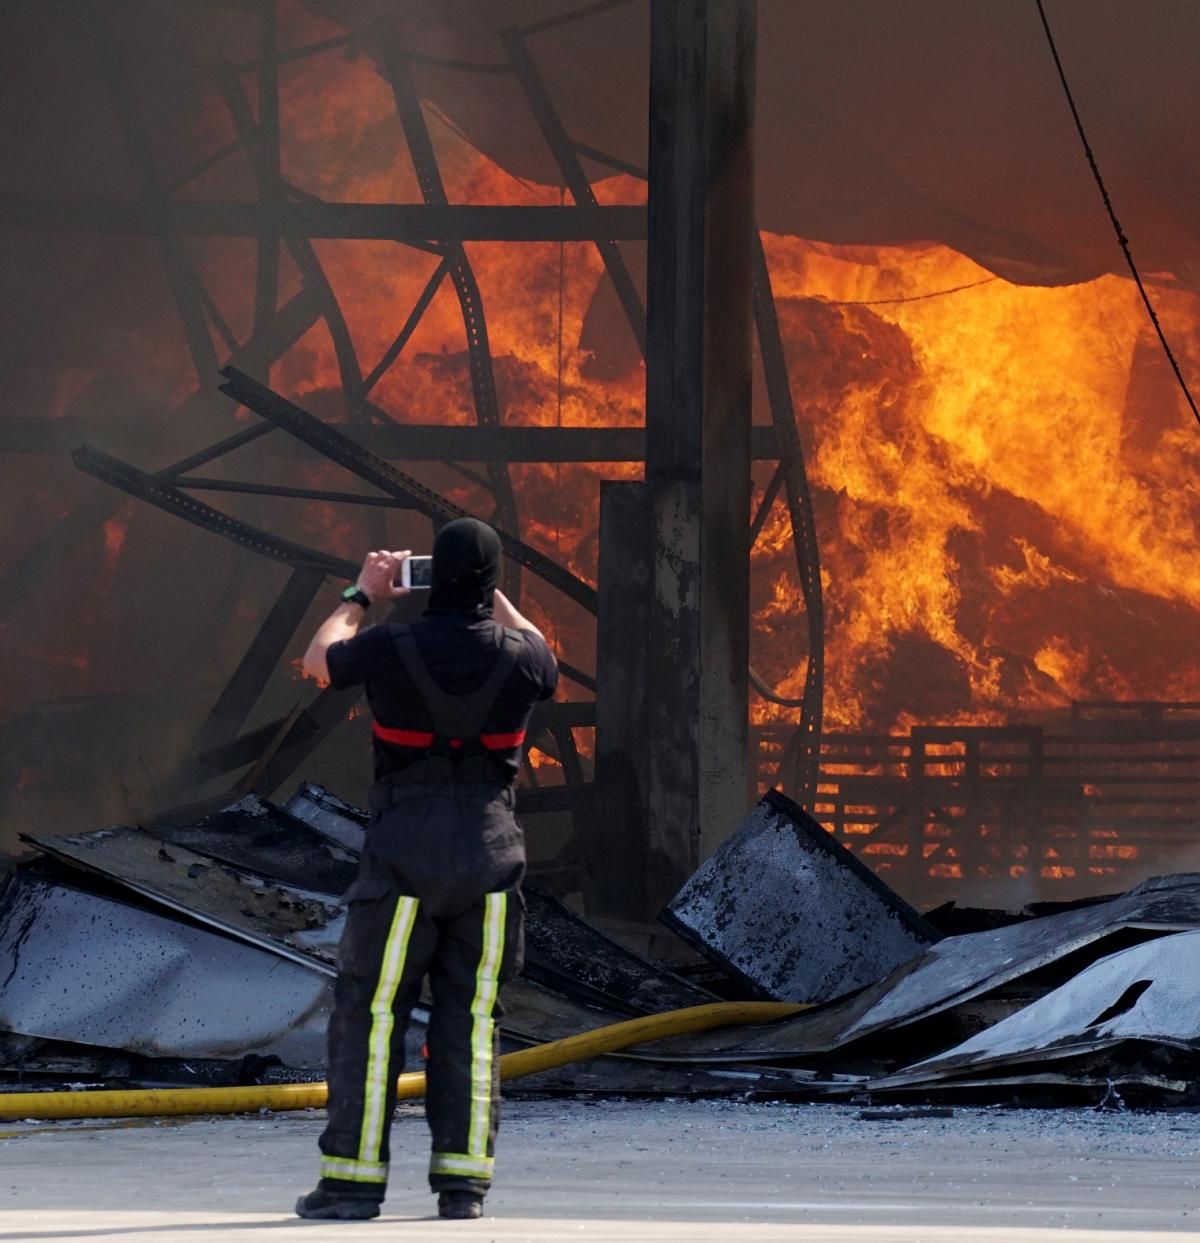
(914, 120)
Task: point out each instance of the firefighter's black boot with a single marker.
(326, 1206)
(460, 1204)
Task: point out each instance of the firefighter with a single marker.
(437, 893)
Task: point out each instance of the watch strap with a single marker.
(356, 595)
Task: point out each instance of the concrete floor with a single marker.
(613, 1170)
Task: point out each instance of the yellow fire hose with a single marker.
(161, 1102)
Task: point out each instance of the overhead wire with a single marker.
(1112, 215)
(562, 281)
(915, 297)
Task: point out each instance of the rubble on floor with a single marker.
(205, 952)
(1140, 1001)
(253, 833)
(280, 918)
(96, 972)
(244, 905)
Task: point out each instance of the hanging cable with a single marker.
(914, 297)
(1112, 215)
(562, 279)
(562, 270)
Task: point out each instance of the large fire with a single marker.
(1004, 475)
(1009, 508)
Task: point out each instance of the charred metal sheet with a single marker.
(279, 918)
(257, 836)
(89, 970)
(534, 1013)
(565, 952)
(299, 925)
(1149, 993)
(342, 824)
(609, 1075)
(1096, 1076)
(959, 969)
(813, 1032)
(793, 913)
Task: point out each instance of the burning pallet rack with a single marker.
(1090, 801)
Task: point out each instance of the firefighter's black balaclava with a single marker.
(466, 564)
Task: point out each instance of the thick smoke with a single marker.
(892, 123)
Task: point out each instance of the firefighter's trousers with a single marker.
(437, 895)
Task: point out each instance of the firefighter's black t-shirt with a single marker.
(459, 652)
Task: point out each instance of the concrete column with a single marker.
(618, 858)
(698, 385)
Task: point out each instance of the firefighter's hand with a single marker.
(380, 573)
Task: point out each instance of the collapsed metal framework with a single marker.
(284, 215)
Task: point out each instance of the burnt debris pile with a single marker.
(205, 953)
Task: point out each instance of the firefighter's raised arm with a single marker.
(508, 615)
(376, 582)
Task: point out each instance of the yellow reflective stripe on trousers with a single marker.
(461, 1163)
(395, 951)
(487, 989)
(354, 1171)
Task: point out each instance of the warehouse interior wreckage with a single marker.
(824, 372)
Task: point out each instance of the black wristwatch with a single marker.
(356, 595)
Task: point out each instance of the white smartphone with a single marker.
(416, 573)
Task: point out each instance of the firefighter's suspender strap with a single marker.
(460, 717)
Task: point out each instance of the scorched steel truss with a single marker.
(286, 216)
